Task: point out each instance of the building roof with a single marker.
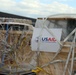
(8, 15)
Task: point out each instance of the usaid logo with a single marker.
(46, 39)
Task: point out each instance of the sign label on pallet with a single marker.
(48, 43)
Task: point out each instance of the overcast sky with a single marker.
(37, 8)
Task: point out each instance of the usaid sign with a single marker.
(47, 42)
(46, 39)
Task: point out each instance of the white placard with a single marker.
(47, 42)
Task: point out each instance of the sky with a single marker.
(37, 8)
